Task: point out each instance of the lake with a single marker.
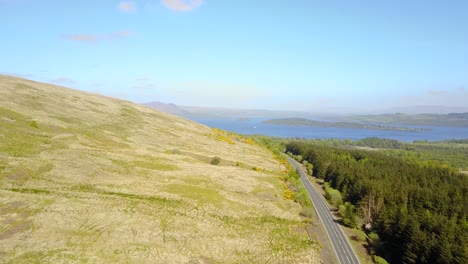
(255, 126)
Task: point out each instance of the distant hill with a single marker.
(168, 108)
(219, 112)
(452, 119)
(417, 115)
(91, 179)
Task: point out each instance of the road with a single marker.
(343, 249)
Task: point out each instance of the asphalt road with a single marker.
(343, 249)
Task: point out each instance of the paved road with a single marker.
(340, 244)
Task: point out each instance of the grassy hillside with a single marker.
(90, 179)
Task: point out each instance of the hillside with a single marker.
(86, 178)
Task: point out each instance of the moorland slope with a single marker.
(87, 178)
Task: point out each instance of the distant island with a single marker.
(308, 122)
(452, 119)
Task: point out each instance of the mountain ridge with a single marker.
(395, 118)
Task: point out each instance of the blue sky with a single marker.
(292, 55)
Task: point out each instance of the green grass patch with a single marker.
(23, 137)
(32, 101)
(151, 199)
(68, 120)
(6, 113)
(29, 190)
(129, 112)
(85, 188)
(154, 165)
(2, 167)
(193, 192)
(48, 256)
(88, 188)
(102, 140)
(33, 124)
(282, 239)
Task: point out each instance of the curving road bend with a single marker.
(343, 249)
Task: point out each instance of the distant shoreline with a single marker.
(314, 123)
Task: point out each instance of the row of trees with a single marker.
(418, 210)
(451, 152)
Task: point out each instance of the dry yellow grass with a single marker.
(90, 179)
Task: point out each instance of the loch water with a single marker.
(255, 126)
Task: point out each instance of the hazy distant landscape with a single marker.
(317, 119)
(288, 124)
(424, 119)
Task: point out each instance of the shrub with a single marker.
(310, 169)
(33, 124)
(348, 213)
(299, 158)
(360, 235)
(288, 194)
(379, 260)
(216, 160)
(293, 175)
(302, 197)
(176, 151)
(308, 211)
(333, 195)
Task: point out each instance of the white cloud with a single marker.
(127, 6)
(182, 5)
(94, 38)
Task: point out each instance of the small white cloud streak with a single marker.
(94, 38)
(127, 6)
(182, 5)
